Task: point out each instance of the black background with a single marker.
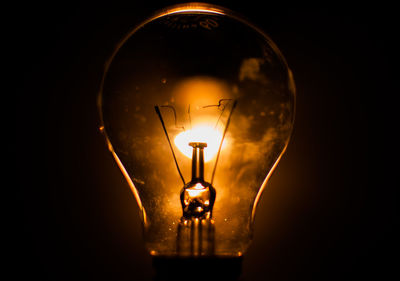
(328, 212)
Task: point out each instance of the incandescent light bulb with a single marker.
(197, 107)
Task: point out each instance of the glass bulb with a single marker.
(197, 107)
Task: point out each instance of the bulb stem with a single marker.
(198, 161)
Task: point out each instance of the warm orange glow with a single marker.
(201, 133)
(196, 190)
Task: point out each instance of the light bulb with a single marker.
(197, 107)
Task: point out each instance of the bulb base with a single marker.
(197, 268)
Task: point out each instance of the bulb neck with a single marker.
(198, 161)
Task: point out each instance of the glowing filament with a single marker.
(203, 133)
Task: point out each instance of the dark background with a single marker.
(328, 212)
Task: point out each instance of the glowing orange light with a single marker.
(201, 133)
